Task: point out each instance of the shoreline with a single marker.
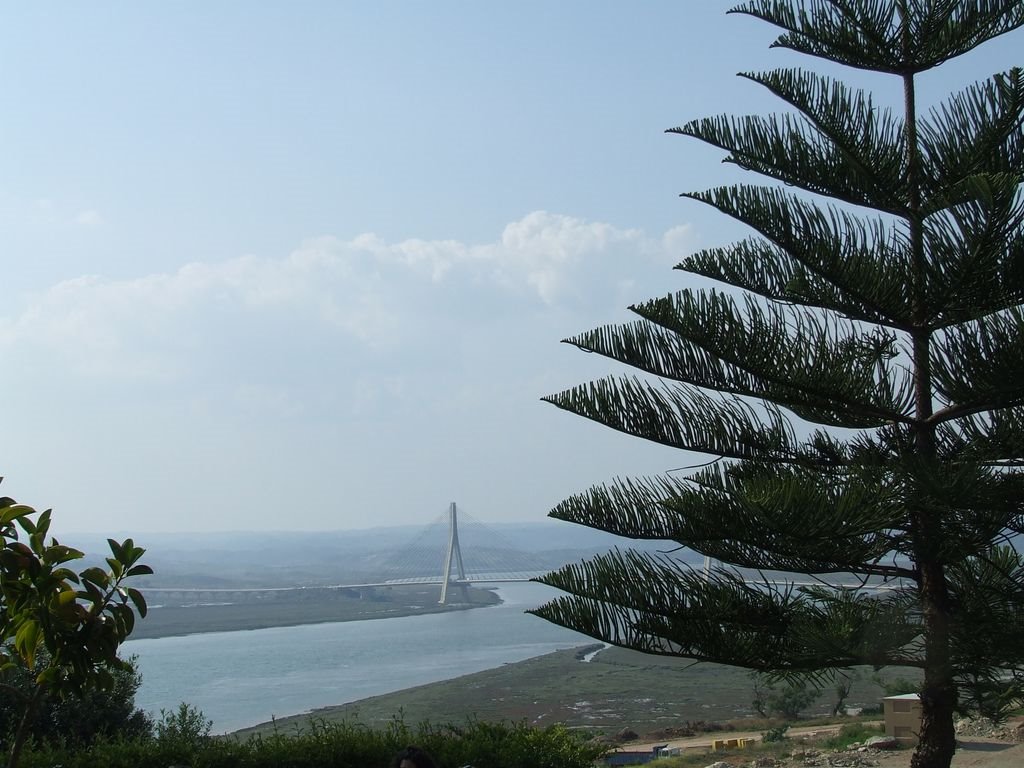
(314, 605)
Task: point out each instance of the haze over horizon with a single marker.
(306, 266)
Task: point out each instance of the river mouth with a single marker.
(243, 677)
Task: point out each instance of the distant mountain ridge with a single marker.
(299, 558)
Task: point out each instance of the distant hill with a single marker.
(291, 558)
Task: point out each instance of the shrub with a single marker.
(853, 733)
(775, 734)
(182, 738)
(77, 718)
(182, 732)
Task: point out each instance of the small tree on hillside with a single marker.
(860, 379)
(842, 688)
(60, 628)
(786, 701)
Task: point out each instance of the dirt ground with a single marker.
(972, 752)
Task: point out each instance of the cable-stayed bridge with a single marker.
(438, 556)
(490, 559)
(453, 551)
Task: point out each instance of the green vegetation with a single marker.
(59, 630)
(853, 733)
(331, 745)
(897, 686)
(787, 700)
(658, 697)
(857, 378)
(77, 719)
(772, 735)
(184, 731)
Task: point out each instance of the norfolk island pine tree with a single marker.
(857, 379)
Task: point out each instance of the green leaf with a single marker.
(58, 553)
(127, 617)
(91, 593)
(115, 549)
(96, 576)
(66, 574)
(43, 522)
(14, 512)
(138, 600)
(26, 641)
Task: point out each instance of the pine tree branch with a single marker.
(868, 35)
(763, 268)
(857, 40)
(841, 146)
(826, 370)
(686, 418)
(977, 131)
(975, 253)
(862, 259)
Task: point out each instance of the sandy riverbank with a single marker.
(228, 611)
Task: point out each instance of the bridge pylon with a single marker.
(453, 555)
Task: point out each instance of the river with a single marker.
(239, 679)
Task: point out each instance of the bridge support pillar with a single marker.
(453, 556)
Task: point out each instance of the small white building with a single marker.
(902, 717)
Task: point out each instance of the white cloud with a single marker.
(367, 293)
(314, 379)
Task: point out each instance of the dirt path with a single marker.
(704, 740)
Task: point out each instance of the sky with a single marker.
(307, 265)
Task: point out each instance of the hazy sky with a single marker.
(307, 264)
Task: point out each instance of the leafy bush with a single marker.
(182, 732)
(853, 733)
(78, 718)
(774, 734)
(786, 701)
(330, 745)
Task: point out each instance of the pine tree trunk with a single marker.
(937, 740)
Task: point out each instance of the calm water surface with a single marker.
(243, 678)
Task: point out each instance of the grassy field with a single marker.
(617, 689)
(225, 611)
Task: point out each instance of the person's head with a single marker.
(412, 757)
